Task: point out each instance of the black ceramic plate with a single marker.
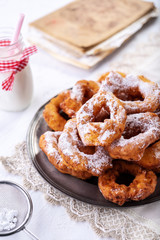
(86, 191)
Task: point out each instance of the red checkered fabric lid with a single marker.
(14, 66)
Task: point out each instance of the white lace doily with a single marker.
(122, 224)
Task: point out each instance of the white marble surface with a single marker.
(50, 76)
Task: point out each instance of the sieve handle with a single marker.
(30, 234)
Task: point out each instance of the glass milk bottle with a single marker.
(20, 96)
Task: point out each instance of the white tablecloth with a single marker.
(50, 77)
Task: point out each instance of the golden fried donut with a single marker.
(94, 160)
(48, 143)
(141, 187)
(104, 75)
(51, 112)
(141, 130)
(151, 157)
(95, 133)
(81, 92)
(138, 94)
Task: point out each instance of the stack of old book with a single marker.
(86, 31)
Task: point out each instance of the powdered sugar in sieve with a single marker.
(14, 198)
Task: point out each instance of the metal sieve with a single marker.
(13, 196)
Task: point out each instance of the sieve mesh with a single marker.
(13, 196)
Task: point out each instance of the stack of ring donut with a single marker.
(94, 160)
(52, 114)
(114, 130)
(104, 133)
(138, 94)
(142, 186)
(81, 92)
(49, 144)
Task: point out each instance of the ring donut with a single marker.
(151, 157)
(138, 94)
(141, 130)
(81, 92)
(94, 160)
(49, 144)
(51, 112)
(141, 187)
(95, 133)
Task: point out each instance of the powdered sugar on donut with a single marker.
(51, 139)
(69, 144)
(77, 93)
(133, 147)
(86, 118)
(125, 87)
(114, 81)
(80, 88)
